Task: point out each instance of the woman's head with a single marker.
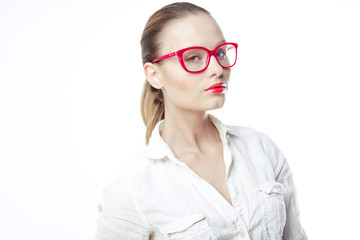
(171, 83)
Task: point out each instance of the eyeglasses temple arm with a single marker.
(164, 57)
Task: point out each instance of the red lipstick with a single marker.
(217, 88)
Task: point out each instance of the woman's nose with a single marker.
(214, 67)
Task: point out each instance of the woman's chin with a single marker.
(217, 104)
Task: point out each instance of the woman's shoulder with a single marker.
(242, 130)
(246, 132)
(252, 136)
(244, 135)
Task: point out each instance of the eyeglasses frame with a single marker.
(180, 52)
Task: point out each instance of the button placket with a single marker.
(242, 232)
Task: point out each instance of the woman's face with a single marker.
(181, 89)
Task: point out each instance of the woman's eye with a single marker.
(193, 58)
(221, 54)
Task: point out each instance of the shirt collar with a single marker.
(159, 149)
(223, 129)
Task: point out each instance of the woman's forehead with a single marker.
(192, 30)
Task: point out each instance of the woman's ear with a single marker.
(151, 75)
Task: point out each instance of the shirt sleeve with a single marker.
(119, 215)
(293, 229)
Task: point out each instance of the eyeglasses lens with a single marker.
(226, 55)
(195, 59)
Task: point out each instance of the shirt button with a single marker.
(241, 233)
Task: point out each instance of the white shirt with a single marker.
(159, 197)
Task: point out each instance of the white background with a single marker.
(70, 84)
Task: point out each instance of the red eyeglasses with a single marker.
(197, 59)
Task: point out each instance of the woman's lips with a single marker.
(216, 88)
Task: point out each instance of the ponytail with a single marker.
(152, 108)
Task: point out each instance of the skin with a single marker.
(187, 129)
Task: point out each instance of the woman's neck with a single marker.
(186, 131)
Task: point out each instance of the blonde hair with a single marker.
(152, 108)
(152, 99)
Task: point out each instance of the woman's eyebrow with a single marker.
(223, 41)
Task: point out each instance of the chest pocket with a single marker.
(193, 227)
(274, 209)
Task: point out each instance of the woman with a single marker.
(197, 178)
